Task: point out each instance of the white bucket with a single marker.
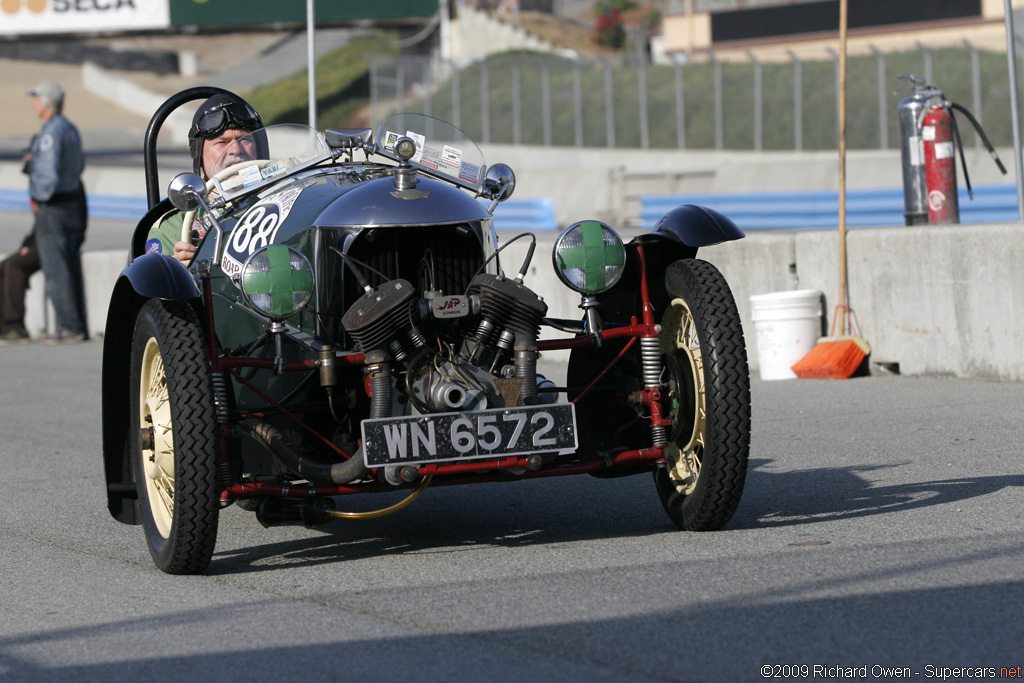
(787, 325)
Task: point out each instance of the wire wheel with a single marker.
(681, 352)
(174, 437)
(701, 480)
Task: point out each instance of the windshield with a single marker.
(441, 148)
(265, 155)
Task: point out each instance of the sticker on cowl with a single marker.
(469, 172)
(420, 140)
(390, 138)
(250, 175)
(451, 160)
(430, 158)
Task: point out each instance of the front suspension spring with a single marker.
(220, 396)
(220, 403)
(650, 361)
(650, 358)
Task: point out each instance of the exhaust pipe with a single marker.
(316, 472)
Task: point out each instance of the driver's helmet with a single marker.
(214, 116)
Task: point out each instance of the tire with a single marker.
(701, 481)
(175, 458)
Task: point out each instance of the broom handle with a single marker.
(842, 160)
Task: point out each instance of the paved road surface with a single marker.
(881, 526)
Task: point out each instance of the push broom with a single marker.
(838, 357)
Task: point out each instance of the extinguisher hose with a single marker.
(981, 134)
(963, 161)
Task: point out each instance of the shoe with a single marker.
(15, 335)
(63, 337)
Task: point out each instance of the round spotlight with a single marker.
(589, 257)
(277, 281)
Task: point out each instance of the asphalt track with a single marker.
(880, 527)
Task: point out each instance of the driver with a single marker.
(214, 144)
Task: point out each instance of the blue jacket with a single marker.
(57, 160)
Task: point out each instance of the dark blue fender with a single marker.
(697, 226)
(150, 276)
(159, 276)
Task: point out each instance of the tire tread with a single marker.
(196, 505)
(727, 387)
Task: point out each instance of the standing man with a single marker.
(55, 185)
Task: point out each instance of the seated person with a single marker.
(213, 144)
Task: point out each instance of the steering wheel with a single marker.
(211, 189)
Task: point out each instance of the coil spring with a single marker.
(220, 403)
(650, 360)
(220, 396)
(224, 478)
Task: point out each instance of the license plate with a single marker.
(447, 437)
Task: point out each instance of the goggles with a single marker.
(219, 118)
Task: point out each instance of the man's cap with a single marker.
(51, 89)
(218, 113)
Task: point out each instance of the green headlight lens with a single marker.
(277, 281)
(589, 257)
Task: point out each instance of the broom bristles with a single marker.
(832, 358)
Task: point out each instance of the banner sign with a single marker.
(24, 17)
(214, 13)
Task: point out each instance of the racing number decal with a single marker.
(257, 229)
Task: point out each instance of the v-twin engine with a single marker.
(472, 352)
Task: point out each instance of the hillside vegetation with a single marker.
(342, 86)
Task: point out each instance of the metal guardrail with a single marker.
(101, 206)
(526, 215)
(820, 209)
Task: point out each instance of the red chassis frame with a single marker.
(460, 473)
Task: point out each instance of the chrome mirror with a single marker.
(500, 182)
(187, 191)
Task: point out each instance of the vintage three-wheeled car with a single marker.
(351, 324)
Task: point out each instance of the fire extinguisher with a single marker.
(929, 140)
(940, 164)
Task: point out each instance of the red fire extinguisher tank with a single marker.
(940, 166)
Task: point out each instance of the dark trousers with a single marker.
(60, 231)
(14, 274)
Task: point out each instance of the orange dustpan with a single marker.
(834, 357)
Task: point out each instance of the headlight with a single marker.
(277, 281)
(589, 257)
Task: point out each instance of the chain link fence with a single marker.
(535, 99)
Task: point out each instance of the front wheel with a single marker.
(174, 437)
(701, 480)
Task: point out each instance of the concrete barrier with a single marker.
(931, 300)
(100, 270)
